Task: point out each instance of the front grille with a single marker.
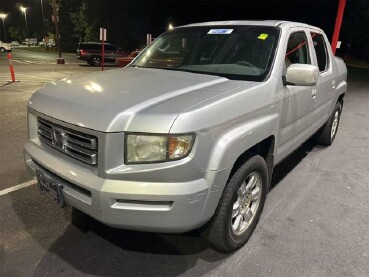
(78, 145)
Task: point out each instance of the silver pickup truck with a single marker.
(186, 136)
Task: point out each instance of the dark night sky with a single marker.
(320, 13)
(157, 14)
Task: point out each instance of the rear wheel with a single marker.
(240, 206)
(327, 134)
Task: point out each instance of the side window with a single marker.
(109, 47)
(297, 50)
(320, 50)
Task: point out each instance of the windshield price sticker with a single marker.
(263, 36)
(220, 31)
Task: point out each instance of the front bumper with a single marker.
(147, 206)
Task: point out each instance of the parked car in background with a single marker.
(15, 43)
(50, 43)
(5, 47)
(167, 146)
(123, 61)
(30, 41)
(91, 52)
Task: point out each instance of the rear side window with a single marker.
(97, 46)
(110, 47)
(89, 46)
(320, 50)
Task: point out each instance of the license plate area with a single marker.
(49, 185)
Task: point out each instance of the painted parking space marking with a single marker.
(38, 77)
(17, 187)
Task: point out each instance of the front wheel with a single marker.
(96, 60)
(239, 207)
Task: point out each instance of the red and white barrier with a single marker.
(11, 67)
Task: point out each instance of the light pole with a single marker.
(46, 35)
(24, 11)
(3, 16)
(43, 19)
(60, 59)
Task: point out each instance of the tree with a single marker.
(17, 33)
(127, 22)
(83, 31)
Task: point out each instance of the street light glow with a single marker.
(3, 16)
(24, 11)
(170, 27)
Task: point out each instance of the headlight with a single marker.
(147, 148)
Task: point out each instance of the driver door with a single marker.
(298, 100)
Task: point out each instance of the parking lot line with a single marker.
(17, 187)
(43, 78)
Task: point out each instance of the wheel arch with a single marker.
(233, 149)
(256, 136)
(265, 149)
(341, 98)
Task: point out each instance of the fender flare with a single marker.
(235, 142)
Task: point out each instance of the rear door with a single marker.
(110, 52)
(326, 83)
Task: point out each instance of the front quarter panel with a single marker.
(229, 125)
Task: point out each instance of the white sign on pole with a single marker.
(148, 38)
(103, 34)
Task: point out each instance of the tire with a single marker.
(229, 230)
(328, 132)
(96, 60)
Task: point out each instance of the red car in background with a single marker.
(123, 61)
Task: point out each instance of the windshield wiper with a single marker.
(165, 68)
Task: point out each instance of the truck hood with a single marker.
(128, 99)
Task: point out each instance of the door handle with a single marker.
(313, 94)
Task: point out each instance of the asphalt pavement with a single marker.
(315, 222)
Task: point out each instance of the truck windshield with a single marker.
(234, 52)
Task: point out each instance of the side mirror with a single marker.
(302, 75)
